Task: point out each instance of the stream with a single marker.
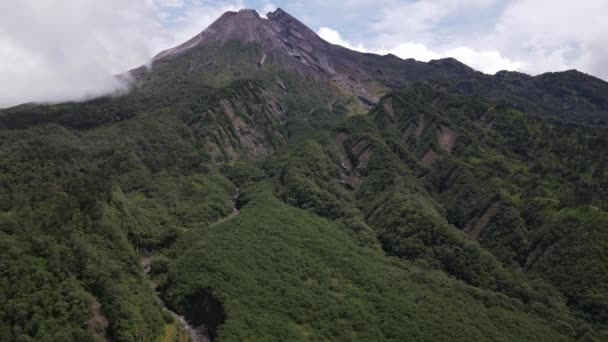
(201, 332)
(197, 334)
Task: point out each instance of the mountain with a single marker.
(282, 41)
(259, 183)
(285, 42)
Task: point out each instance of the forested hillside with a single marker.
(267, 189)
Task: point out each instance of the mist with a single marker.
(63, 50)
(70, 50)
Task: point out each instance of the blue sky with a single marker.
(355, 20)
(66, 49)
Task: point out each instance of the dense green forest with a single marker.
(380, 251)
(277, 207)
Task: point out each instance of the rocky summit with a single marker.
(259, 183)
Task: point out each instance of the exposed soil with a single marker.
(429, 158)
(447, 139)
(473, 230)
(98, 322)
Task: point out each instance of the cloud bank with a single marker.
(68, 50)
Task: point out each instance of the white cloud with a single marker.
(67, 50)
(416, 51)
(28, 77)
(417, 19)
(410, 30)
(267, 8)
(64, 50)
(334, 37)
(555, 34)
(488, 61)
(533, 36)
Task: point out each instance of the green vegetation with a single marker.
(435, 216)
(509, 181)
(173, 332)
(77, 206)
(285, 274)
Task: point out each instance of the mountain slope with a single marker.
(288, 189)
(504, 179)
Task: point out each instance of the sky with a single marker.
(63, 50)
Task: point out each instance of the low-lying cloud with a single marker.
(69, 50)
